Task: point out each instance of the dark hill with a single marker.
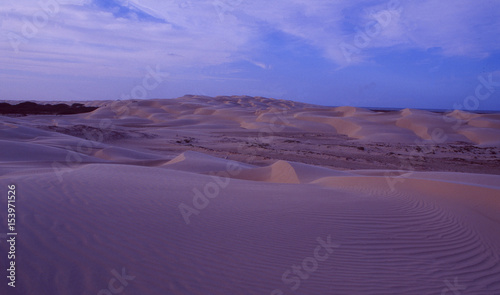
(31, 108)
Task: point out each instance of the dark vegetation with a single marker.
(31, 108)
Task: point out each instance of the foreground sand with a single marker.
(240, 195)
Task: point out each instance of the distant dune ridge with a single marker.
(245, 195)
(252, 112)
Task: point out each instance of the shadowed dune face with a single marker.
(249, 195)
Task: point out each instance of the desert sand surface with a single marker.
(251, 195)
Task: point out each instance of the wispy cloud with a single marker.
(113, 38)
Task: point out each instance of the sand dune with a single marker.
(482, 136)
(353, 122)
(287, 172)
(242, 195)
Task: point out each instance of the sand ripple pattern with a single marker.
(397, 242)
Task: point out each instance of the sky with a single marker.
(433, 54)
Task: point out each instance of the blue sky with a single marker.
(419, 54)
